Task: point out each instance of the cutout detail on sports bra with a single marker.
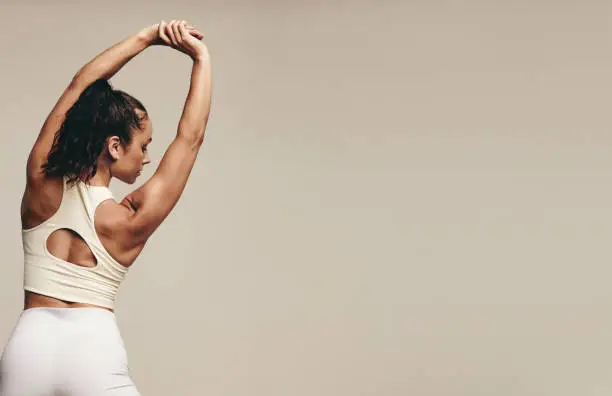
(67, 245)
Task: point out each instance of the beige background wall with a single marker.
(394, 198)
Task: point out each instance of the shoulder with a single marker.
(113, 221)
(113, 225)
(41, 198)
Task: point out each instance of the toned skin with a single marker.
(124, 227)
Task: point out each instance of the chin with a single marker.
(128, 179)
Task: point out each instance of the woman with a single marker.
(78, 241)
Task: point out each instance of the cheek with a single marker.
(138, 158)
(132, 158)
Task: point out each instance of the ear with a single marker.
(114, 147)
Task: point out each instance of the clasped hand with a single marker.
(178, 35)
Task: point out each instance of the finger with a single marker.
(195, 33)
(188, 26)
(162, 33)
(170, 33)
(183, 32)
(177, 37)
(191, 29)
(177, 33)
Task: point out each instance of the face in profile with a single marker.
(130, 159)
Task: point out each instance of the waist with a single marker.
(37, 300)
(81, 315)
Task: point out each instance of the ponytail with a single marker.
(99, 112)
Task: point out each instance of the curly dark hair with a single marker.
(100, 112)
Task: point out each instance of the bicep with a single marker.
(154, 200)
(44, 142)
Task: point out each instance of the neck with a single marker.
(102, 177)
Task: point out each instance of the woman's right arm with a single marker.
(104, 65)
(152, 202)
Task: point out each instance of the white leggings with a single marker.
(65, 352)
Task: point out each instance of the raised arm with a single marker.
(153, 201)
(104, 65)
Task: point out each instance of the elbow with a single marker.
(199, 140)
(77, 81)
(81, 80)
(193, 134)
(196, 141)
(193, 140)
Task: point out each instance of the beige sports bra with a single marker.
(50, 276)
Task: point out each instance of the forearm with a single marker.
(197, 105)
(110, 61)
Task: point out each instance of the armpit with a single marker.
(129, 204)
